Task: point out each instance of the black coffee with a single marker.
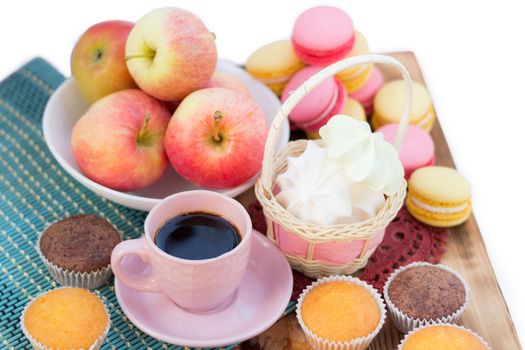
(197, 236)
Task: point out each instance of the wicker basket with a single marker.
(307, 246)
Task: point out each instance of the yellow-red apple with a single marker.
(98, 61)
(216, 137)
(170, 53)
(119, 141)
(218, 79)
(228, 81)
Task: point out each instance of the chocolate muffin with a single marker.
(80, 243)
(77, 250)
(427, 292)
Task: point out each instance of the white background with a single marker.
(472, 55)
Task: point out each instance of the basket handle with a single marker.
(312, 83)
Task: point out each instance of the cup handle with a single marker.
(133, 247)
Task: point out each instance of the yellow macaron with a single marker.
(355, 77)
(274, 64)
(352, 108)
(390, 101)
(439, 196)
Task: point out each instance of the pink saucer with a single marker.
(258, 303)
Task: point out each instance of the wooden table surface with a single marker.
(487, 313)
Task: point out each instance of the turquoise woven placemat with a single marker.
(35, 192)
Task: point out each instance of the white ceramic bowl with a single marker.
(66, 106)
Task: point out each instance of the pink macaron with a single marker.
(366, 94)
(323, 35)
(417, 150)
(321, 104)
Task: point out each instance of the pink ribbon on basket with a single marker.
(406, 240)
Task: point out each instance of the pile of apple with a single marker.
(156, 99)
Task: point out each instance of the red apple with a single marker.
(119, 141)
(98, 61)
(216, 138)
(170, 53)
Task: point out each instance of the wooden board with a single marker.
(487, 313)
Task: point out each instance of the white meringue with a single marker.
(366, 203)
(315, 188)
(366, 157)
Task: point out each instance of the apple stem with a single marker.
(144, 127)
(148, 55)
(217, 116)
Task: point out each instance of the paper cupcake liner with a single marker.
(68, 278)
(361, 343)
(38, 346)
(406, 323)
(432, 324)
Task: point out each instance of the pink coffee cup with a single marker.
(196, 285)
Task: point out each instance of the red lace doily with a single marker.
(406, 240)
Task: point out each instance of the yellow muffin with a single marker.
(66, 318)
(445, 337)
(353, 108)
(340, 311)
